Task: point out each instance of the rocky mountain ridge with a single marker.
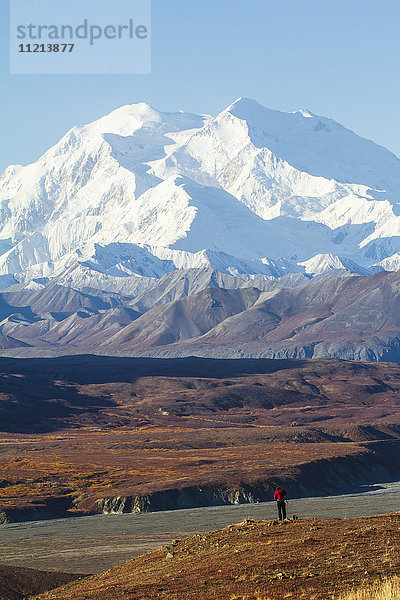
(206, 313)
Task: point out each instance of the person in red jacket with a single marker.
(280, 496)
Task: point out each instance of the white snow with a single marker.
(140, 192)
(329, 262)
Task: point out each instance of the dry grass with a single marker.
(388, 589)
(259, 560)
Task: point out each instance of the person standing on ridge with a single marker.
(280, 496)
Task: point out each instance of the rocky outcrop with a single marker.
(187, 497)
(50, 508)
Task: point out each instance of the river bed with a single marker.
(97, 543)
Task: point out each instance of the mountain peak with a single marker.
(319, 146)
(251, 183)
(243, 103)
(306, 113)
(126, 119)
(247, 108)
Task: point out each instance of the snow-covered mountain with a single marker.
(140, 193)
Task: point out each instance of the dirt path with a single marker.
(94, 544)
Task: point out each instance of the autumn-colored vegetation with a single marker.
(17, 583)
(87, 427)
(88, 464)
(310, 559)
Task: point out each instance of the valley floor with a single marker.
(97, 543)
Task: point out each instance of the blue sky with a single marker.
(337, 58)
